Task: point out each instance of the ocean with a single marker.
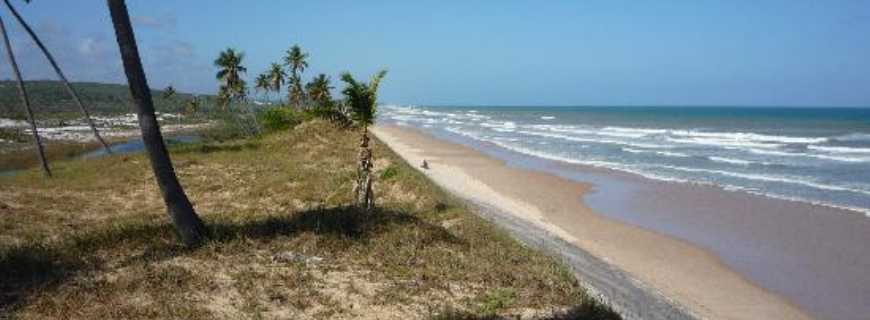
(814, 155)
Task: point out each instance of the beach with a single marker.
(692, 277)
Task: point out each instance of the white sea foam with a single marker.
(839, 149)
(804, 181)
(840, 158)
(593, 140)
(594, 132)
(662, 153)
(643, 131)
(853, 137)
(673, 154)
(810, 155)
(714, 142)
(593, 163)
(731, 161)
(548, 118)
(748, 137)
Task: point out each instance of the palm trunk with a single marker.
(363, 190)
(22, 92)
(60, 74)
(188, 225)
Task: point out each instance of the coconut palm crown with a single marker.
(277, 77)
(362, 97)
(296, 60)
(262, 83)
(318, 90)
(230, 70)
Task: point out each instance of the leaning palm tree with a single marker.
(72, 92)
(296, 61)
(188, 225)
(277, 76)
(232, 86)
(362, 99)
(25, 100)
(318, 91)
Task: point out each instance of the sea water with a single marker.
(814, 155)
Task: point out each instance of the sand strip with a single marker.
(645, 264)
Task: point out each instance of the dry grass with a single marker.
(95, 242)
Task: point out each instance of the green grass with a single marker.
(95, 242)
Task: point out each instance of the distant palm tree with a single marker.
(318, 90)
(277, 77)
(362, 99)
(169, 95)
(25, 100)
(232, 86)
(169, 92)
(187, 224)
(262, 83)
(66, 84)
(296, 61)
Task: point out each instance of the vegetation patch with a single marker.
(285, 241)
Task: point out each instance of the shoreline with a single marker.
(691, 276)
(811, 255)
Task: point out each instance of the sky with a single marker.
(609, 52)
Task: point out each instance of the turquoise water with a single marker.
(814, 155)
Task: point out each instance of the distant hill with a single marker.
(50, 96)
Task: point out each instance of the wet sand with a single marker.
(692, 277)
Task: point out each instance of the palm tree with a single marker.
(296, 61)
(169, 92)
(262, 83)
(188, 225)
(318, 90)
(25, 100)
(72, 92)
(277, 77)
(362, 98)
(169, 95)
(232, 86)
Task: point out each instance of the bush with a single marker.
(330, 111)
(281, 118)
(228, 126)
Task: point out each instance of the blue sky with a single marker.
(786, 53)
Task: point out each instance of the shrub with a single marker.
(281, 118)
(227, 126)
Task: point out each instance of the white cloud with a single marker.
(94, 56)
